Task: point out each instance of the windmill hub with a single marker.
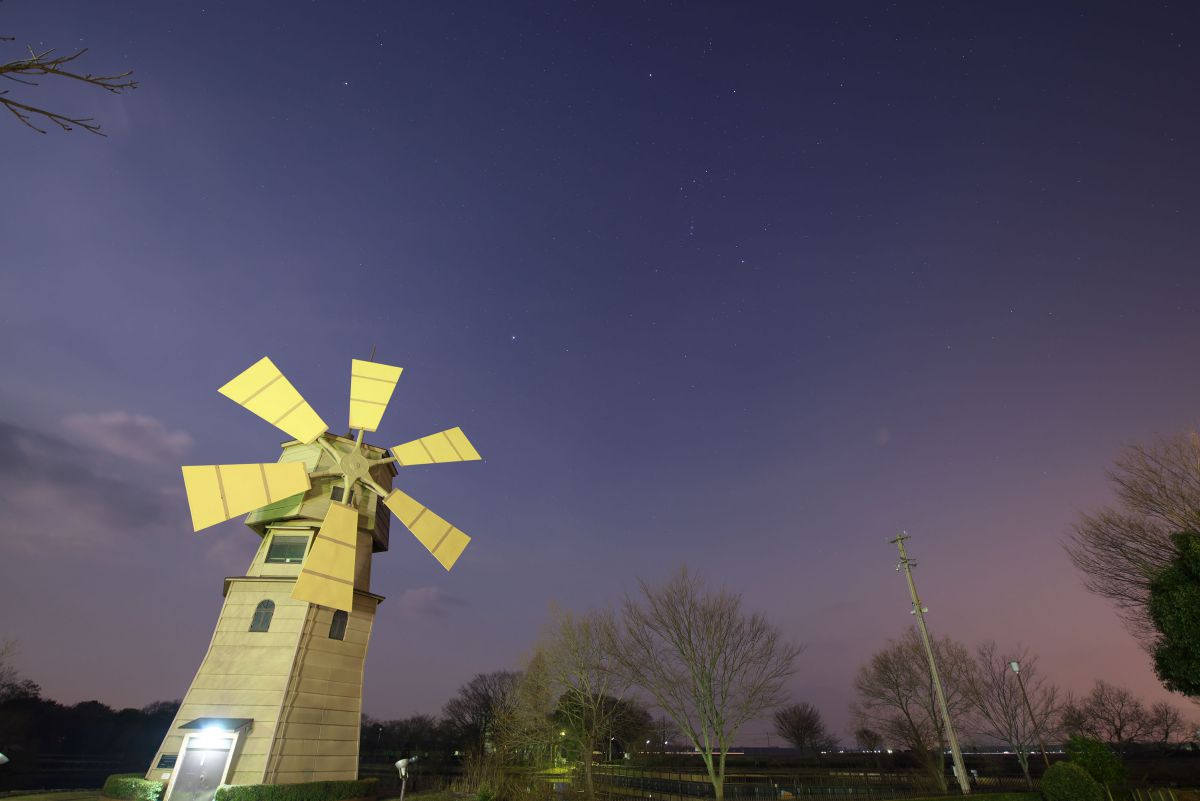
(354, 467)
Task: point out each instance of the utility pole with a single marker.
(906, 564)
(1016, 668)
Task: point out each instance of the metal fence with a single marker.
(619, 782)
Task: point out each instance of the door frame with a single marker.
(234, 738)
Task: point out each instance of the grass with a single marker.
(58, 795)
(1026, 796)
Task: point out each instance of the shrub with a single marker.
(131, 787)
(304, 791)
(1097, 759)
(1066, 781)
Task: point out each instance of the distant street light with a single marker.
(1016, 668)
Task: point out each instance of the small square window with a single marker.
(287, 549)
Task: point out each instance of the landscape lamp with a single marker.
(402, 766)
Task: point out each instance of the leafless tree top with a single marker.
(36, 65)
(708, 664)
(1120, 549)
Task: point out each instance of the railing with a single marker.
(619, 782)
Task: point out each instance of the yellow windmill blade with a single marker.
(264, 390)
(450, 445)
(442, 539)
(371, 386)
(218, 492)
(327, 577)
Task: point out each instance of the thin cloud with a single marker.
(425, 602)
(52, 490)
(132, 436)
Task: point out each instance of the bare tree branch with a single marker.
(46, 63)
(1119, 550)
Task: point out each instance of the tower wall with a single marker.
(318, 736)
(244, 674)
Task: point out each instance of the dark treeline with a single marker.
(48, 742)
(433, 739)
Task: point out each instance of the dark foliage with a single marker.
(1175, 613)
(1066, 781)
(305, 791)
(1101, 763)
(420, 735)
(132, 787)
(32, 727)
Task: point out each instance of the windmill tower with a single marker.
(278, 696)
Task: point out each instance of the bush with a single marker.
(131, 787)
(304, 791)
(1097, 759)
(1066, 781)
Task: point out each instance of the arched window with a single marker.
(337, 628)
(262, 616)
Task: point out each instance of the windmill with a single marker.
(276, 700)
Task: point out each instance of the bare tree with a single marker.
(8, 667)
(802, 726)
(710, 666)
(525, 732)
(1164, 722)
(1072, 722)
(999, 710)
(12, 686)
(472, 714)
(1110, 714)
(46, 63)
(579, 671)
(1121, 549)
(896, 697)
(867, 739)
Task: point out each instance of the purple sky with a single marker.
(747, 286)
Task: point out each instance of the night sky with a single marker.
(747, 286)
